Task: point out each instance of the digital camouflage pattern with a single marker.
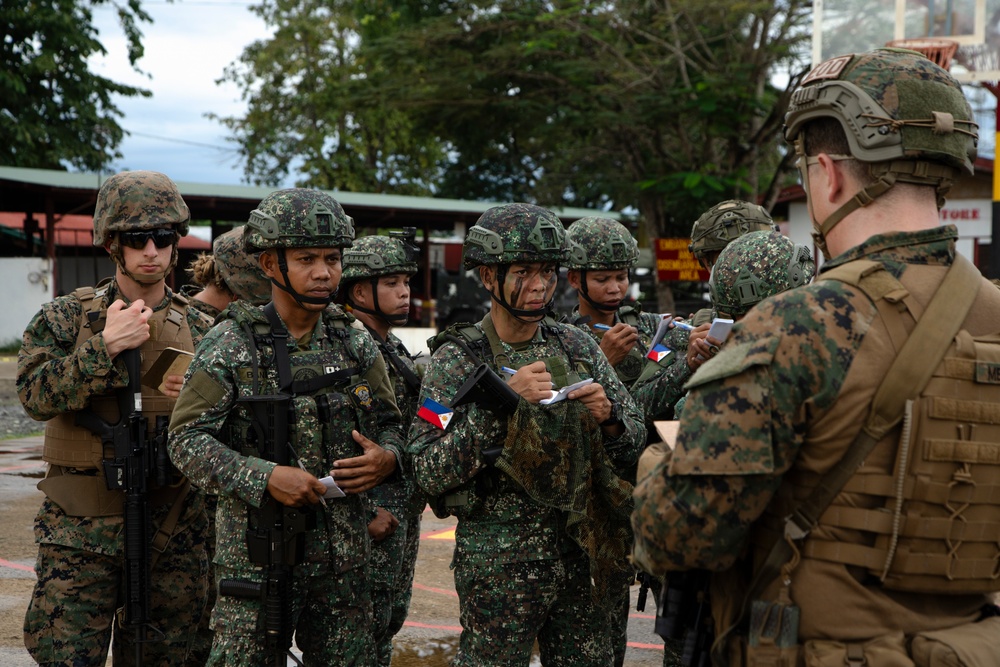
(207, 445)
(298, 218)
(374, 256)
(777, 407)
(394, 559)
(79, 561)
(754, 267)
(724, 222)
(600, 244)
(508, 524)
(239, 269)
(138, 200)
(515, 233)
(899, 92)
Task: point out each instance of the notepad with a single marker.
(561, 394)
(332, 490)
(170, 362)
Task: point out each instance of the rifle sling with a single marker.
(906, 378)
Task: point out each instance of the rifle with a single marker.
(684, 613)
(129, 471)
(275, 532)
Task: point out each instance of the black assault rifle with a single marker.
(684, 614)
(275, 532)
(129, 470)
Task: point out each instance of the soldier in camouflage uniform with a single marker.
(227, 274)
(376, 284)
(539, 506)
(299, 356)
(880, 136)
(71, 361)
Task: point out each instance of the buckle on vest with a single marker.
(797, 526)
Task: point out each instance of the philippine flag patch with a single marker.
(659, 352)
(435, 413)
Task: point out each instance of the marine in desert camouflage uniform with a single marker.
(539, 506)
(341, 402)
(227, 274)
(71, 361)
(376, 284)
(880, 137)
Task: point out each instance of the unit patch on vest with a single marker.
(987, 373)
(305, 374)
(362, 395)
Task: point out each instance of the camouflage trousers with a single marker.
(505, 607)
(331, 616)
(618, 621)
(201, 642)
(71, 614)
(393, 562)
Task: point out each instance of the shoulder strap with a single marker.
(409, 377)
(496, 347)
(906, 378)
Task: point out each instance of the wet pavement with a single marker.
(428, 639)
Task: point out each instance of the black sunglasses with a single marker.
(162, 238)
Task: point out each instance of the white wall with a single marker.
(26, 284)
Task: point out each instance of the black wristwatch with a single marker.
(615, 418)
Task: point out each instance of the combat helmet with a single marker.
(754, 267)
(600, 244)
(515, 233)
(297, 218)
(372, 257)
(903, 115)
(239, 270)
(512, 233)
(726, 221)
(135, 201)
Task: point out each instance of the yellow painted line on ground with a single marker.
(444, 534)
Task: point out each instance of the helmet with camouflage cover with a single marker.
(133, 201)
(600, 244)
(298, 218)
(724, 222)
(239, 269)
(515, 233)
(902, 114)
(374, 256)
(756, 266)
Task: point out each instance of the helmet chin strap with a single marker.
(115, 250)
(585, 293)
(300, 299)
(391, 320)
(519, 314)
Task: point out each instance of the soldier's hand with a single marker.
(532, 382)
(383, 525)
(172, 385)
(597, 402)
(618, 341)
(294, 487)
(126, 328)
(699, 350)
(358, 474)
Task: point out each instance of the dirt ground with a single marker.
(428, 638)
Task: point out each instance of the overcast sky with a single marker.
(188, 45)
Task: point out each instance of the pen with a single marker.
(510, 371)
(683, 325)
(602, 327)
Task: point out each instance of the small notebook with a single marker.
(561, 394)
(170, 362)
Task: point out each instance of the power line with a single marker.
(224, 149)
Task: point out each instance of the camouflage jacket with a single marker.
(757, 411)
(500, 521)
(53, 376)
(403, 497)
(207, 427)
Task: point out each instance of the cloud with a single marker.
(187, 47)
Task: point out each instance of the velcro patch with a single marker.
(828, 69)
(987, 372)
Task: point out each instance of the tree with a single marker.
(54, 111)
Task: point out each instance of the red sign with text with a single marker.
(674, 262)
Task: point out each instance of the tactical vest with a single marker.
(72, 446)
(932, 523)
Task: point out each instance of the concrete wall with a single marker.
(26, 285)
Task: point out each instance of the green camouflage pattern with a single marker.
(657, 393)
(374, 256)
(515, 233)
(751, 417)
(239, 269)
(894, 87)
(206, 445)
(754, 267)
(503, 523)
(138, 200)
(80, 562)
(298, 218)
(726, 221)
(600, 244)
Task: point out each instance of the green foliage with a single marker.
(54, 111)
